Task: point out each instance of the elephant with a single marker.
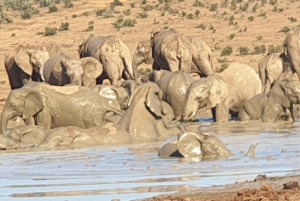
(223, 92)
(113, 54)
(146, 116)
(201, 56)
(107, 134)
(270, 68)
(63, 69)
(22, 137)
(25, 64)
(117, 94)
(171, 51)
(92, 69)
(291, 46)
(77, 106)
(274, 106)
(130, 85)
(195, 145)
(174, 86)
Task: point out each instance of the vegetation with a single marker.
(226, 51)
(49, 31)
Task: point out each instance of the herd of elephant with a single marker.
(99, 99)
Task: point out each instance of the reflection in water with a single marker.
(135, 172)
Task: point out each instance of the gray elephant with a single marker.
(63, 69)
(113, 54)
(224, 92)
(117, 94)
(146, 116)
(171, 51)
(292, 48)
(92, 69)
(274, 106)
(193, 145)
(81, 107)
(22, 137)
(201, 56)
(174, 86)
(25, 64)
(142, 54)
(270, 69)
(107, 134)
(130, 85)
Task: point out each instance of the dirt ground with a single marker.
(261, 188)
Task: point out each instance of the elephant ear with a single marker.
(92, 67)
(22, 59)
(111, 96)
(189, 145)
(218, 92)
(33, 104)
(153, 101)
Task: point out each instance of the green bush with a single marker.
(49, 31)
(142, 15)
(259, 49)
(64, 26)
(226, 51)
(198, 3)
(68, 4)
(202, 26)
(25, 15)
(285, 29)
(52, 9)
(251, 18)
(243, 50)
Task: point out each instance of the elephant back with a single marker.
(176, 92)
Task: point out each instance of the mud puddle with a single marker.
(129, 173)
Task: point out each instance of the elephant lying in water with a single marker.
(76, 106)
(222, 92)
(274, 106)
(190, 145)
(33, 136)
(146, 118)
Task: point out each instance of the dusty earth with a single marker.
(251, 24)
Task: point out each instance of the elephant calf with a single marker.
(274, 106)
(189, 145)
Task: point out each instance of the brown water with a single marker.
(135, 172)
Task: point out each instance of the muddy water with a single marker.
(129, 173)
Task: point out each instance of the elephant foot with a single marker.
(7, 143)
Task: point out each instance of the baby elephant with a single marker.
(274, 106)
(190, 145)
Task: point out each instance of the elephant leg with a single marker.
(243, 116)
(44, 119)
(222, 113)
(213, 112)
(267, 86)
(30, 121)
(155, 66)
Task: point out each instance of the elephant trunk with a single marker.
(7, 115)
(190, 107)
(262, 75)
(136, 61)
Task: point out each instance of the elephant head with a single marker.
(71, 68)
(31, 60)
(130, 85)
(92, 69)
(292, 91)
(190, 145)
(21, 102)
(117, 95)
(205, 92)
(143, 54)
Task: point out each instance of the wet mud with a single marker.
(135, 172)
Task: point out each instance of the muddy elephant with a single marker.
(22, 137)
(113, 54)
(201, 56)
(171, 51)
(81, 107)
(116, 94)
(270, 69)
(174, 86)
(146, 117)
(92, 69)
(130, 85)
(25, 64)
(190, 145)
(292, 48)
(107, 134)
(274, 106)
(142, 54)
(63, 69)
(224, 92)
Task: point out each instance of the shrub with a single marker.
(68, 4)
(190, 16)
(231, 36)
(44, 3)
(64, 26)
(226, 51)
(126, 12)
(223, 67)
(213, 7)
(52, 9)
(115, 3)
(49, 31)
(25, 15)
(251, 18)
(198, 3)
(132, 5)
(285, 29)
(292, 19)
(202, 26)
(148, 7)
(243, 50)
(275, 49)
(142, 15)
(259, 49)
